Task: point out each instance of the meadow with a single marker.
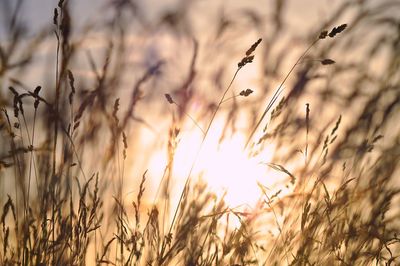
(200, 133)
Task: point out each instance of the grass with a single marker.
(67, 145)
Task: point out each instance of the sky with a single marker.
(37, 14)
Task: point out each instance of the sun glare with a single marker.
(224, 165)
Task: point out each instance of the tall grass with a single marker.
(329, 106)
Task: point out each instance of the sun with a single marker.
(224, 165)
(227, 169)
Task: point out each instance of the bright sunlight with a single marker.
(223, 164)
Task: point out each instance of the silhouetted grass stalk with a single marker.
(277, 93)
(247, 59)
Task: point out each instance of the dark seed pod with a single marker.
(337, 30)
(327, 62)
(253, 47)
(246, 92)
(323, 34)
(169, 98)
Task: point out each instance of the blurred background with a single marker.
(104, 68)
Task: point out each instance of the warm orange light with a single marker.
(224, 165)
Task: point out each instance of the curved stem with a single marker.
(230, 98)
(196, 158)
(191, 118)
(277, 92)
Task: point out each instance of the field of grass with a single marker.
(203, 133)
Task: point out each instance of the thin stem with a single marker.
(307, 131)
(191, 118)
(219, 104)
(31, 154)
(277, 92)
(196, 158)
(26, 204)
(76, 153)
(22, 185)
(57, 32)
(230, 98)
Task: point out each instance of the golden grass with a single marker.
(67, 147)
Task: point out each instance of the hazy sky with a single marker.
(37, 14)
